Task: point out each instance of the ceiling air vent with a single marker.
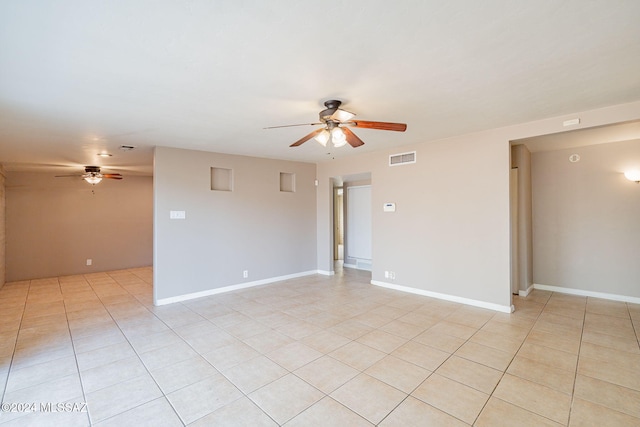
(402, 158)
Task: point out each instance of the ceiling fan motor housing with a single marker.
(332, 105)
(92, 169)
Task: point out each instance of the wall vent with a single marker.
(402, 158)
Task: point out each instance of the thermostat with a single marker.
(389, 207)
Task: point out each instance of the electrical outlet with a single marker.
(89, 261)
(392, 275)
(177, 215)
(245, 273)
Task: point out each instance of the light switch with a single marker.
(177, 214)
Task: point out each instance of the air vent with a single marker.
(402, 158)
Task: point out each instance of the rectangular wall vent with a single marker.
(402, 158)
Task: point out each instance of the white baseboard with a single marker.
(230, 288)
(447, 297)
(581, 292)
(526, 292)
(358, 266)
(326, 272)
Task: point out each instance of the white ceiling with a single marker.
(78, 76)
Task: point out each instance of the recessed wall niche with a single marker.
(287, 182)
(221, 179)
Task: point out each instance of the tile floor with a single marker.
(314, 351)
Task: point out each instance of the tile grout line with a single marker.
(73, 346)
(293, 373)
(633, 326)
(596, 403)
(134, 350)
(200, 355)
(15, 344)
(434, 371)
(440, 319)
(325, 395)
(511, 361)
(278, 308)
(444, 361)
(575, 375)
(187, 343)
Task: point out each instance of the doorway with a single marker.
(351, 221)
(358, 229)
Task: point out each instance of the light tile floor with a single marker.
(314, 351)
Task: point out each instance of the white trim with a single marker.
(582, 292)
(230, 288)
(358, 265)
(446, 297)
(326, 272)
(526, 292)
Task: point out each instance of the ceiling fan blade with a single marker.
(289, 126)
(306, 137)
(399, 127)
(352, 138)
(112, 175)
(67, 176)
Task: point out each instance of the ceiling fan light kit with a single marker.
(93, 179)
(323, 137)
(338, 138)
(332, 118)
(332, 133)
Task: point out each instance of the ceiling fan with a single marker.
(93, 175)
(336, 130)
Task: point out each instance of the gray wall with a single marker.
(255, 227)
(450, 234)
(55, 224)
(586, 219)
(450, 231)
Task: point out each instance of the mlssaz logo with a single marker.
(63, 407)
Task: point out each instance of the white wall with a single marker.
(586, 219)
(54, 224)
(255, 227)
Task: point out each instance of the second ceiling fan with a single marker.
(336, 130)
(93, 175)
